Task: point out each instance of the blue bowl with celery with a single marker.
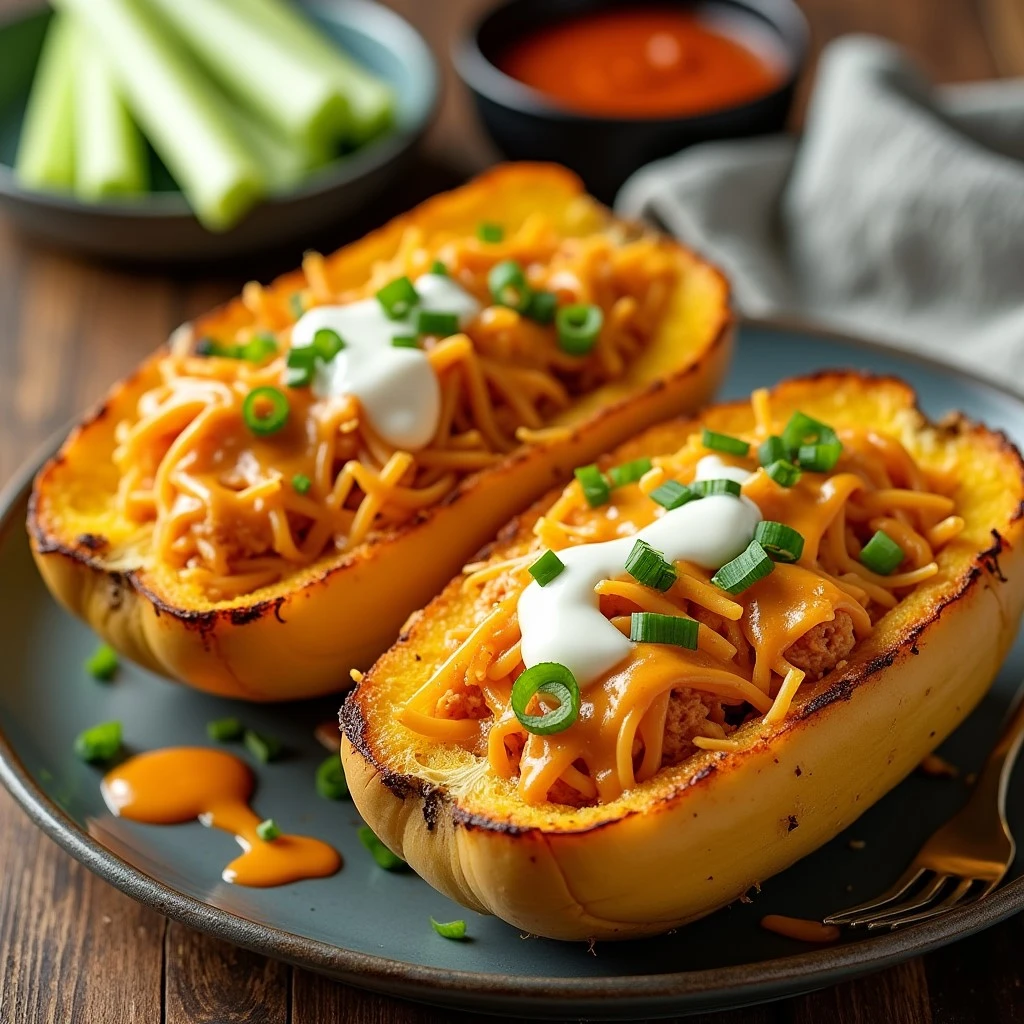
(195, 130)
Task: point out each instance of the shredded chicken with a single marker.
(820, 649)
(690, 714)
(465, 703)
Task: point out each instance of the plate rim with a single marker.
(745, 983)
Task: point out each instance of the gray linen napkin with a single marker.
(898, 215)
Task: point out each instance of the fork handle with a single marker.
(994, 778)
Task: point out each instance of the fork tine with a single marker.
(906, 880)
(948, 903)
(922, 899)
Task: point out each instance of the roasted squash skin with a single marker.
(300, 637)
(697, 836)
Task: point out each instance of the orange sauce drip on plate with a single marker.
(641, 62)
(179, 784)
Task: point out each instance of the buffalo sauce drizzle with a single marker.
(179, 784)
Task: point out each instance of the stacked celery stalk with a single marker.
(239, 98)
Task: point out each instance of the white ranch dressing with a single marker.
(396, 387)
(563, 622)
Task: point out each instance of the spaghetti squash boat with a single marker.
(698, 662)
(259, 507)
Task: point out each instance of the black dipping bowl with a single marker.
(527, 125)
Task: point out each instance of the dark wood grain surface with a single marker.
(72, 949)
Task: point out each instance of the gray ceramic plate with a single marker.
(372, 928)
(160, 227)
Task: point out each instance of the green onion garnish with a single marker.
(650, 567)
(595, 486)
(301, 483)
(723, 485)
(654, 628)
(327, 344)
(672, 494)
(265, 410)
(437, 267)
(449, 929)
(397, 298)
(804, 430)
(258, 349)
(301, 364)
(744, 570)
(381, 854)
(100, 743)
(331, 783)
(782, 542)
(548, 567)
(723, 443)
(772, 450)
(263, 748)
(296, 304)
(578, 327)
(628, 472)
(785, 474)
(405, 341)
(819, 458)
(508, 286)
(553, 680)
(268, 831)
(542, 307)
(102, 663)
(882, 554)
(206, 347)
(442, 325)
(490, 232)
(225, 730)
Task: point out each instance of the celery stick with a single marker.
(286, 163)
(110, 157)
(370, 100)
(46, 150)
(277, 83)
(177, 107)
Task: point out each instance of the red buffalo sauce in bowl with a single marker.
(645, 61)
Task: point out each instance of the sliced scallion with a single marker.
(100, 743)
(804, 430)
(782, 542)
(258, 349)
(542, 307)
(655, 628)
(442, 325)
(672, 494)
(490, 232)
(103, 663)
(301, 483)
(397, 298)
(649, 566)
(772, 450)
(405, 341)
(595, 486)
(264, 748)
(881, 554)
(578, 327)
(549, 679)
(265, 410)
(744, 570)
(547, 568)
(449, 929)
(331, 783)
(784, 473)
(381, 854)
(508, 287)
(225, 730)
(628, 472)
(437, 267)
(327, 344)
(301, 366)
(723, 485)
(717, 442)
(819, 458)
(268, 831)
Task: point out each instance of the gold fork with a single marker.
(964, 860)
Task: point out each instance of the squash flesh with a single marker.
(558, 871)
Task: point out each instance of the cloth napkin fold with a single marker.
(898, 215)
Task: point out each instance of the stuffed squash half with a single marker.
(699, 661)
(260, 506)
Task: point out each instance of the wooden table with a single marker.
(74, 949)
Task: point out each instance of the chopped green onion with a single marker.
(100, 743)
(508, 286)
(802, 430)
(782, 542)
(882, 554)
(595, 486)
(258, 349)
(301, 365)
(553, 680)
(628, 472)
(578, 327)
(301, 483)
(265, 410)
(723, 485)
(819, 458)
(443, 325)
(263, 748)
(405, 341)
(437, 267)
(327, 344)
(672, 494)
(102, 663)
(225, 730)
(381, 854)
(548, 567)
(490, 232)
(542, 307)
(744, 570)
(785, 474)
(331, 783)
(654, 628)
(449, 929)
(268, 831)
(723, 443)
(296, 304)
(772, 450)
(650, 567)
(397, 298)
